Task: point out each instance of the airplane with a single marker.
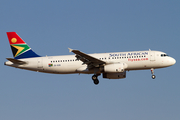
(111, 65)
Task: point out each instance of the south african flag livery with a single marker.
(19, 48)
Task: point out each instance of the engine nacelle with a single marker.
(115, 75)
(113, 68)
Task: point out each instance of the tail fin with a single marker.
(19, 48)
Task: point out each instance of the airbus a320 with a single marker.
(111, 65)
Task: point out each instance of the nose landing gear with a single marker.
(95, 79)
(152, 72)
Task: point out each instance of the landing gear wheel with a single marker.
(96, 82)
(153, 76)
(94, 77)
(152, 72)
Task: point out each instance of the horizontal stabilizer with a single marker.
(15, 61)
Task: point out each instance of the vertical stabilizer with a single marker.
(19, 48)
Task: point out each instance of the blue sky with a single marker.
(50, 27)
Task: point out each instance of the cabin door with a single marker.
(40, 63)
(152, 56)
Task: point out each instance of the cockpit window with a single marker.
(164, 55)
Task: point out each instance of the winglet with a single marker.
(70, 50)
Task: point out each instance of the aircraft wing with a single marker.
(15, 61)
(87, 59)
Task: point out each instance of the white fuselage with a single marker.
(68, 64)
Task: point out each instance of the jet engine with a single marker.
(114, 68)
(119, 75)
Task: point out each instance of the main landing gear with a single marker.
(95, 79)
(152, 72)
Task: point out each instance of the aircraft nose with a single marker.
(173, 61)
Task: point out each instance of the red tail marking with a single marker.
(14, 38)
